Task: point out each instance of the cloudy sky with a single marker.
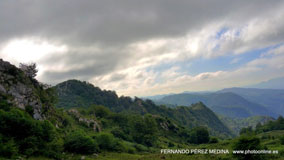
(146, 47)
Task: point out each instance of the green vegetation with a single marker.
(199, 135)
(112, 127)
(78, 142)
(133, 136)
(269, 126)
(21, 134)
(236, 124)
(248, 143)
(75, 93)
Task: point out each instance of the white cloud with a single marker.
(25, 50)
(174, 81)
(115, 44)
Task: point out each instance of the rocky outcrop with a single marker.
(21, 90)
(86, 121)
(164, 125)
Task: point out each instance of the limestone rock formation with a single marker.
(87, 121)
(22, 91)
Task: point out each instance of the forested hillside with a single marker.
(74, 93)
(236, 124)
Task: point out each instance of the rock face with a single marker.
(20, 89)
(87, 121)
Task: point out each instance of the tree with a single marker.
(199, 135)
(247, 130)
(29, 69)
(144, 130)
(99, 111)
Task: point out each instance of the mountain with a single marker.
(160, 96)
(74, 93)
(276, 83)
(272, 99)
(224, 103)
(156, 97)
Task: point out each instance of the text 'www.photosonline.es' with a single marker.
(216, 151)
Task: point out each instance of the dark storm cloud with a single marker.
(117, 77)
(112, 25)
(84, 65)
(87, 22)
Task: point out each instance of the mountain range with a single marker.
(74, 93)
(265, 98)
(275, 83)
(272, 99)
(224, 103)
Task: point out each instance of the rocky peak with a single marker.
(21, 89)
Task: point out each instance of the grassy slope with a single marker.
(271, 144)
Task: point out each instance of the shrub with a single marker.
(131, 150)
(54, 149)
(77, 142)
(141, 148)
(213, 140)
(8, 149)
(144, 130)
(29, 110)
(99, 111)
(106, 141)
(4, 104)
(248, 143)
(117, 132)
(120, 147)
(29, 69)
(282, 140)
(171, 144)
(29, 146)
(247, 131)
(31, 137)
(199, 135)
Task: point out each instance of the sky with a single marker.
(149, 47)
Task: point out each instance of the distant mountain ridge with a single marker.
(276, 83)
(224, 103)
(272, 99)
